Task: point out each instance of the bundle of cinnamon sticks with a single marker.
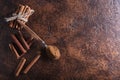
(22, 13)
(19, 45)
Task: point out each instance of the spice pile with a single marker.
(19, 46)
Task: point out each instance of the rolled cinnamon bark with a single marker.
(20, 66)
(21, 10)
(24, 43)
(14, 24)
(18, 43)
(12, 48)
(24, 10)
(31, 64)
(11, 23)
(27, 13)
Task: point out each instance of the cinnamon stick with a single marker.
(20, 66)
(18, 43)
(21, 10)
(14, 50)
(31, 64)
(25, 44)
(13, 24)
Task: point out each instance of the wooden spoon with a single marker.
(52, 51)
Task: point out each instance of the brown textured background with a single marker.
(87, 32)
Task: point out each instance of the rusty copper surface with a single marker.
(87, 32)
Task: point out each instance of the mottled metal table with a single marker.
(87, 32)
